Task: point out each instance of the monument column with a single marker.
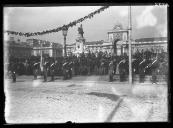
(80, 40)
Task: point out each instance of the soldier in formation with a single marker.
(45, 70)
(35, 69)
(142, 70)
(111, 71)
(122, 69)
(52, 70)
(65, 69)
(98, 64)
(13, 72)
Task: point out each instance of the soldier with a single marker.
(134, 67)
(70, 66)
(155, 71)
(26, 65)
(52, 71)
(45, 71)
(154, 76)
(97, 63)
(101, 69)
(122, 70)
(88, 64)
(14, 76)
(35, 70)
(13, 72)
(115, 63)
(111, 71)
(65, 70)
(142, 70)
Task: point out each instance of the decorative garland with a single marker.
(71, 24)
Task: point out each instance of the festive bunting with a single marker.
(71, 24)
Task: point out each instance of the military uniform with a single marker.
(76, 66)
(122, 70)
(101, 72)
(142, 71)
(14, 76)
(70, 66)
(111, 71)
(45, 71)
(97, 64)
(155, 71)
(35, 70)
(13, 72)
(88, 65)
(52, 71)
(65, 70)
(154, 76)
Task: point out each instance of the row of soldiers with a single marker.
(144, 63)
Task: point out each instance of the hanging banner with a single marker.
(71, 24)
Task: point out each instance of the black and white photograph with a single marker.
(86, 64)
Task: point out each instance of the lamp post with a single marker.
(130, 52)
(41, 55)
(64, 32)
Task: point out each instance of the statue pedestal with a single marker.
(80, 41)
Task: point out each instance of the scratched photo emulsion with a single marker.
(85, 64)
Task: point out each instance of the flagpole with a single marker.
(129, 40)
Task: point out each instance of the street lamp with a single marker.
(41, 55)
(64, 32)
(129, 48)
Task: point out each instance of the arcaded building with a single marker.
(117, 43)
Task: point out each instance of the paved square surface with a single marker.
(83, 99)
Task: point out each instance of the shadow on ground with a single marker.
(72, 85)
(20, 80)
(112, 114)
(112, 97)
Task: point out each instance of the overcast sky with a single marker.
(147, 21)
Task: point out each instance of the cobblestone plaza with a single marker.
(83, 100)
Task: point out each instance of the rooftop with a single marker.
(94, 42)
(151, 39)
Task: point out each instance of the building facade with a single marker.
(17, 49)
(157, 44)
(118, 38)
(117, 43)
(32, 47)
(47, 48)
